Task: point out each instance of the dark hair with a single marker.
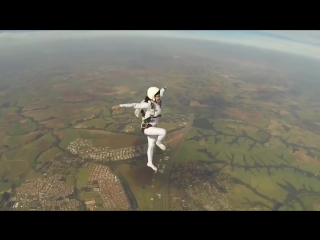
(147, 99)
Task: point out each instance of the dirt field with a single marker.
(197, 104)
(149, 71)
(81, 76)
(13, 117)
(176, 137)
(99, 87)
(238, 114)
(248, 101)
(270, 104)
(122, 141)
(122, 89)
(216, 89)
(228, 76)
(202, 141)
(284, 113)
(41, 104)
(303, 158)
(71, 96)
(60, 86)
(275, 127)
(243, 127)
(117, 74)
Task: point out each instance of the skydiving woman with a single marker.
(151, 111)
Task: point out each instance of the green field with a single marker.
(4, 186)
(252, 142)
(83, 175)
(30, 151)
(265, 172)
(68, 136)
(12, 171)
(97, 123)
(20, 128)
(71, 177)
(140, 185)
(47, 155)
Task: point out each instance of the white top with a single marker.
(146, 107)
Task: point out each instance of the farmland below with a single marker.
(243, 132)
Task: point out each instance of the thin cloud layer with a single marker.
(305, 43)
(306, 36)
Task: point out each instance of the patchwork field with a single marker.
(242, 130)
(270, 165)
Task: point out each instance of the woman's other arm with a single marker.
(141, 105)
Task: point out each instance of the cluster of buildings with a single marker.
(129, 128)
(85, 149)
(57, 163)
(81, 146)
(113, 195)
(109, 187)
(48, 193)
(52, 193)
(101, 172)
(200, 188)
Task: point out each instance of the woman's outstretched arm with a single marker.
(141, 105)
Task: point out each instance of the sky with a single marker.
(302, 42)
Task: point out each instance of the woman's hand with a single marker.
(116, 107)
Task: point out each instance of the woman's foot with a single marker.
(152, 166)
(161, 146)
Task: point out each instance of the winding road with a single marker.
(172, 157)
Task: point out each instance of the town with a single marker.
(201, 191)
(48, 193)
(53, 194)
(102, 181)
(59, 163)
(204, 188)
(85, 149)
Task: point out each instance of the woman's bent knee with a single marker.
(155, 131)
(163, 132)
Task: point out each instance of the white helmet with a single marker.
(152, 91)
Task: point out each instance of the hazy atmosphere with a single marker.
(241, 111)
